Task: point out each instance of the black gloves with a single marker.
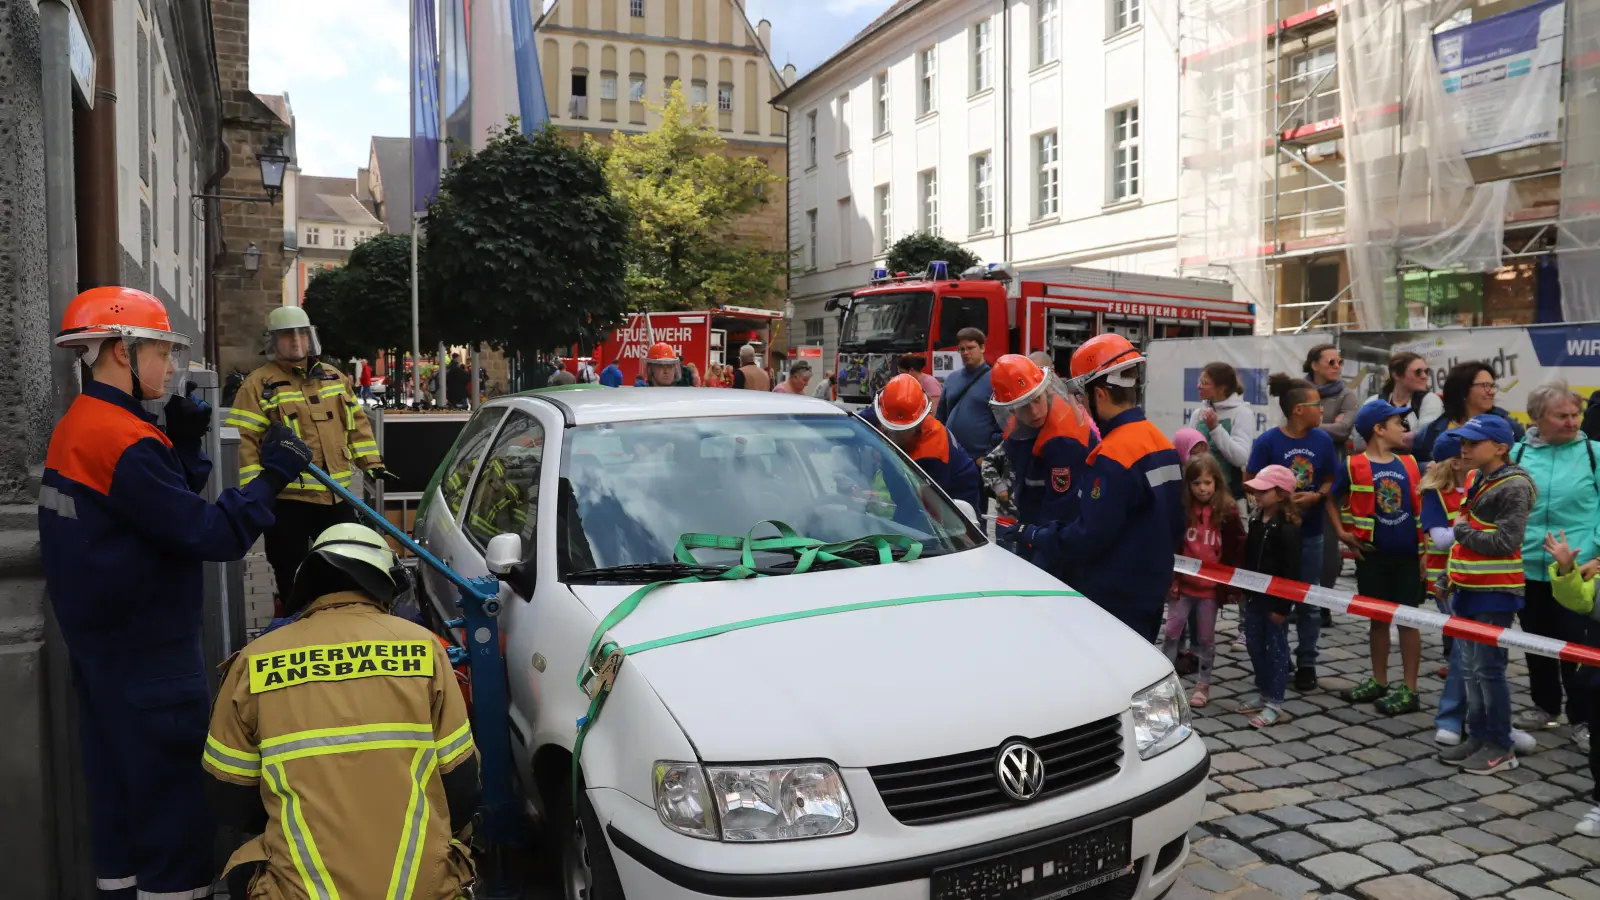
(283, 454)
(384, 475)
(187, 420)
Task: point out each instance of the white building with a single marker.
(1034, 131)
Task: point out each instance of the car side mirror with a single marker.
(968, 511)
(504, 552)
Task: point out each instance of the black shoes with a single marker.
(1305, 679)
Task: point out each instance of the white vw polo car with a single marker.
(917, 715)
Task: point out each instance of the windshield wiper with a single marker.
(642, 572)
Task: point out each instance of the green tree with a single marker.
(524, 247)
(687, 193)
(324, 302)
(913, 252)
(365, 305)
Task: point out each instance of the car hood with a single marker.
(882, 685)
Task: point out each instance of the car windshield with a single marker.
(889, 321)
(630, 490)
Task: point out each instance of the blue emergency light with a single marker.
(880, 274)
(938, 270)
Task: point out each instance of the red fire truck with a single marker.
(1054, 310)
(701, 337)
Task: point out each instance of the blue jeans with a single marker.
(1268, 643)
(1308, 625)
(1484, 677)
(1452, 714)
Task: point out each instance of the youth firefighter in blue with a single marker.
(123, 532)
(1131, 518)
(901, 412)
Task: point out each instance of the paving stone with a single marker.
(1233, 761)
(1542, 792)
(1269, 756)
(1333, 790)
(1412, 824)
(1211, 879)
(1397, 776)
(1392, 726)
(1577, 809)
(1310, 771)
(1233, 783)
(1440, 850)
(1214, 745)
(1284, 882)
(1333, 743)
(1510, 868)
(1517, 776)
(1479, 840)
(1225, 853)
(1289, 846)
(1343, 869)
(1403, 887)
(1469, 880)
(1541, 763)
(1345, 765)
(1417, 799)
(1351, 834)
(1575, 888)
(1213, 811)
(1183, 890)
(1551, 820)
(1319, 724)
(1300, 750)
(1518, 832)
(1586, 847)
(1450, 791)
(1535, 893)
(1295, 816)
(1289, 732)
(1271, 778)
(1393, 856)
(1338, 809)
(1382, 804)
(1567, 758)
(1433, 768)
(1580, 783)
(1474, 812)
(1213, 789)
(1252, 738)
(1363, 735)
(1246, 826)
(1354, 716)
(1550, 858)
(1375, 757)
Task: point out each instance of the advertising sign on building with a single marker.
(1504, 76)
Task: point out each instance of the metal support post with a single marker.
(61, 204)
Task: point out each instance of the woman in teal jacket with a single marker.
(1563, 464)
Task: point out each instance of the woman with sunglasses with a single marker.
(1469, 390)
(1407, 387)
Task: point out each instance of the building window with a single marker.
(1310, 76)
(1124, 153)
(880, 107)
(1046, 24)
(636, 88)
(1124, 14)
(725, 98)
(983, 192)
(811, 139)
(313, 237)
(1047, 151)
(338, 237)
(982, 55)
(608, 87)
(845, 215)
(697, 93)
(636, 8)
(844, 123)
(578, 106)
(811, 239)
(927, 81)
(814, 329)
(880, 198)
(928, 190)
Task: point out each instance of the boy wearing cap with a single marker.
(1376, 510)
(1485, 579)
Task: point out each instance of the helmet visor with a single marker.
(293, 344)
(160, 367)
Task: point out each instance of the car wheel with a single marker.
(587, 872)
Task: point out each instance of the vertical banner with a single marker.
(455, 72)
(1504, 73)
(530, 80)
(504, 68)
(424, 106)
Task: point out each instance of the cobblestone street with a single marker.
(1342, 800)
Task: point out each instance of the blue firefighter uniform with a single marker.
(941, 459)
(1130, 523)
(1049, 462)
(123, 533)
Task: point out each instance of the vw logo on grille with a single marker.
(1020, 771)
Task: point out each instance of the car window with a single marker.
(956, 313)
(505, 498)
(469, 449)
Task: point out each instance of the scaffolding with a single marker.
(1326, 168)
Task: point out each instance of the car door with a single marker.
(440, 531)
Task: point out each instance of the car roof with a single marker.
(593, 404)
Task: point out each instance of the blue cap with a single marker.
(1487, 427)
(1448, 446)
(1374, 413)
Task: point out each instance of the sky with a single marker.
(343, 64)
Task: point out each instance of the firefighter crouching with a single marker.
(123, 532)
(342, 740)
(318, 402)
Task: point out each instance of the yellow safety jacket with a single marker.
(346, 720)
(321, 406)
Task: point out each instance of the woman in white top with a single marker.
(1226, 420)
(1407, 387)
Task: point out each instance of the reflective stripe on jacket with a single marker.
(1437, 560)
(1469, 568)
(321, 407)
(1361, 504)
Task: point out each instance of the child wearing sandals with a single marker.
(1214, 534)
(1272, 547)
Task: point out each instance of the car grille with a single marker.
(962, 785)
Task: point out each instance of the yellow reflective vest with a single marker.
(321, 406)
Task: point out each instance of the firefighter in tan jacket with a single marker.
(319, 403)
(342, 740)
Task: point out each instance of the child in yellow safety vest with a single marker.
(1485, 582)
(1573, 586)
(1376, 510)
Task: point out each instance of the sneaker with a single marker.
(1461, 752)
(1523, 742)
(1366, 692)
(1534, 719)
(1201, 695)
(1580, 736)
(1490, 759)
(1399, 701)
(1589, 825)
(1444, 737)
(1305, 679)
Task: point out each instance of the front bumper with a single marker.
(1161, 821)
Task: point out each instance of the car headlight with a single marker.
(1160, 717)
(782, 802)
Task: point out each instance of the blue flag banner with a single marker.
(531, 103)
(455, 72)
(424, 106)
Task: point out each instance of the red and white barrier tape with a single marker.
(1386, 611)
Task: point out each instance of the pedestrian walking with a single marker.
(1214, 534)
(1273, 546)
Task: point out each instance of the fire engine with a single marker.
(1054, 310)
(701, 337)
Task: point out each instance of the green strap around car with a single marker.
(603, 659)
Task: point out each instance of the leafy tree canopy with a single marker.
(687, 193)
(524, 247)
(913, 252)
(365, 305)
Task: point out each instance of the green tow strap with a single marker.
(603, 659)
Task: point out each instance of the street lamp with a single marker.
(273, 162)
(252, 258)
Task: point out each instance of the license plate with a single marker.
(1046, 871)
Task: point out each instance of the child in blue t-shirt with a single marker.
(1306, 450)
(1375, 510)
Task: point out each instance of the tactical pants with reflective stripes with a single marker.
(143, 717)
(289, 537)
